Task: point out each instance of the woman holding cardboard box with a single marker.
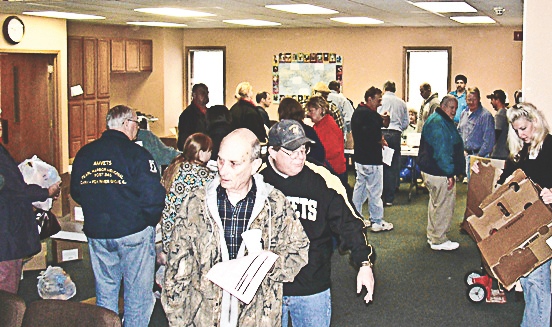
(530, 147)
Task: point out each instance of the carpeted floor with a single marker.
(415, 286)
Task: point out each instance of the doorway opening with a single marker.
(207, 66)
(431, 65)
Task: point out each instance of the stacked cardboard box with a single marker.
(514, 231)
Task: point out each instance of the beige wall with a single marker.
(44, 35)
(487, 56)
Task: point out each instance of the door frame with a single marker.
(187, 87)
(54, 101)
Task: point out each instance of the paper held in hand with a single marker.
(242, 277)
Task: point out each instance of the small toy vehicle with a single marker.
(480, 288)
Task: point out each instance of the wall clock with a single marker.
(13, 29)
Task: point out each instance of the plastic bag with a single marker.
(36, 171)
(55, 283)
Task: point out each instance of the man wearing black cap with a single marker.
(498, 101)
(460, 95)
(322, 210)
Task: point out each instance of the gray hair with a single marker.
(446, 99)
(255, 150)
(117, 115)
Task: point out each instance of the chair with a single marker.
(12, 309)
(55, 313)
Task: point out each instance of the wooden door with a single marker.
(89, 64)
(104, 61)
(26, 86)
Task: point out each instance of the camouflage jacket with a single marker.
(189, 298)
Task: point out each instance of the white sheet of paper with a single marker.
(242, 277)
(387, 154)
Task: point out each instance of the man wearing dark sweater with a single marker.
(322, 210)
(366, 125)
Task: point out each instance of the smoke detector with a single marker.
(499, 11)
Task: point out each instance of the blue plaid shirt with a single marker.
(234, 218)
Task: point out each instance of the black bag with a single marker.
(47, 222)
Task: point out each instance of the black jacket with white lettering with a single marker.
(322, 211)
(118, 186)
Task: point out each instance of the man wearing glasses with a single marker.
(322, 211)
(117, 183)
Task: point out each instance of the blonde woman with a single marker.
(244, 112)
(530, 147)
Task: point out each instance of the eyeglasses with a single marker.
(303, 150)
(135, 121)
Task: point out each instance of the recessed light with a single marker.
(442, 7)
(61, 14)
(473, 19)
(303, 9)
(357, 20)
(174, 12)
(251, 22)
(157, 24)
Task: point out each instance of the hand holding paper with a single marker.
(242, 277)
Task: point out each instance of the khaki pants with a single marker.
(440, 208)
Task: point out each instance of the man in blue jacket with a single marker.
(441, 157)
(117, 183)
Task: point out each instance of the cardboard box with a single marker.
(38, 261)
(482, 184)
(64, 250)
(61, 207)
(514, 231)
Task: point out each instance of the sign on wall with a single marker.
(294, 74)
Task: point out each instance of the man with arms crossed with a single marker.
(117, 183)
(322, 211)
(208, 230)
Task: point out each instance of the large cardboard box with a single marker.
(514, 231)
(38, 261)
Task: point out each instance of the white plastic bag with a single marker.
(36, 171)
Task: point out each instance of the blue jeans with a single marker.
(391, 173)
(368, 185)
(536, 290)
(308, 310)
(131, 258)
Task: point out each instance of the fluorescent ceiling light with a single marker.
(157, 24)
(357, 20)
(303, 9)
(251, 22)
(473, 19)
(60, 14)
(174, 12)
(442, 7)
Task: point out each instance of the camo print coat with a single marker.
(189, 298)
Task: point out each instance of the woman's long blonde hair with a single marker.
(530, 113)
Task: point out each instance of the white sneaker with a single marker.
(384, 226)
(446, 246)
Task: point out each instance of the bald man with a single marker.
(208, 230)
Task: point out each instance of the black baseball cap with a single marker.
(498, 94)
(287, 133)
